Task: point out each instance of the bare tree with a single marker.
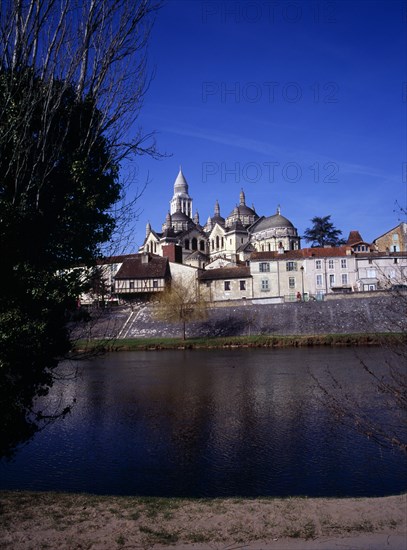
(181, 303)
(99, 48)
(387, 425)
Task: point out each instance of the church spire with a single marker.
(242, 198)
(217, 208)
(148, 229)
(180, 184)
(181, 200)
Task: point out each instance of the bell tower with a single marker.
(181, 201)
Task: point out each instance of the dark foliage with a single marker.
(53, 216)
(323, 233)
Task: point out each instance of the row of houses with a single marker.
(266, 277)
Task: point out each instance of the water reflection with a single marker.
(189, 423)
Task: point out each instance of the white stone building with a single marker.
(231, 238)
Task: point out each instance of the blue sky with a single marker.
(300, 103)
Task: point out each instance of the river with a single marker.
(243, 422)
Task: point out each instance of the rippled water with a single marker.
(208, 423)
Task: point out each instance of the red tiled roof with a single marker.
(331, 251)
(354, 237)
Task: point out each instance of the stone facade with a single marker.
(232, 238)
(246, 256)
(377, 271)
(226, 283)
(394, 240)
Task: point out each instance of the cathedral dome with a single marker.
(242, 212)
(278, 221)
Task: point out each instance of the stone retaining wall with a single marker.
(361, 315)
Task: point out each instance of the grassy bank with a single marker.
(52, 520)
(255, 341)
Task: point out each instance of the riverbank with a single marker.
(29, 521)
(254, 341)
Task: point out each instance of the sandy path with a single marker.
(65, 521)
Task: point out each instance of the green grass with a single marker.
(267, 341)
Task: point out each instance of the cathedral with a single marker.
(232, 239)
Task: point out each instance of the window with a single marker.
(344, 278)
(291, 282)
(264, 266)
(331, 280)
(264, 285)
(217, 242)
(202, 246)
(194, 244)
(319, 280)
(395, 261)
(318, 264)
(223, 243)
(186, 244)
(227, 285)
(131, 284)
(330, 264)
(155, 283)
(291, 266)
(242, 285)
(343, 263)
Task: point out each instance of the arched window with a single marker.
(223, 243)
(194, 244)
(217, 242)
(213, 244)
(186, 244)
(202, 246)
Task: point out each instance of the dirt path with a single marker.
(68, 521)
